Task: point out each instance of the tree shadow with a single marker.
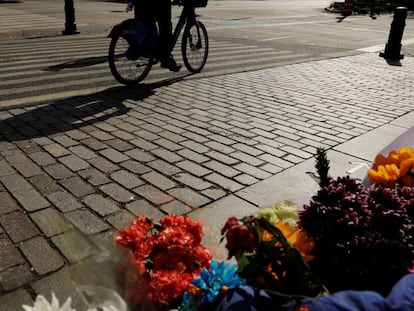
(71, 113)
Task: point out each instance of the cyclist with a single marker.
(160, 10)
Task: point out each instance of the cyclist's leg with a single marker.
(162, 13)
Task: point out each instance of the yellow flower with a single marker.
(296, 237)
(384, 174)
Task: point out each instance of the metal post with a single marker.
(393, 47)
(70, 25)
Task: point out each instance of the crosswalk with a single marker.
(52, 68)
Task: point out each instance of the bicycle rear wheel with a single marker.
(194, 46)
(127, 66)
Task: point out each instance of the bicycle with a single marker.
(133, 48)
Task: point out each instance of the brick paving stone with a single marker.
(214, 193)
(192, 156)
(101, 135)
(24, 192)
(140, 155)
(77, 134)
(86, 222)
(14, 300)
(191, 181)
(77, 186)
(42, 158)
(167, 144)
(194, 168)
(27, 168)
(100, 204)
(246, 158)
(196, 147)
(74, 246)
(221, 139)
(246, 180)
(275, 160)
(175, 207)
(143, 144)
(106, 127)
(190, 197)
(74, 163)
(28, 146)
(61, 283)
(223, 169)
(171, 136)
(117, 193)
(272, 169)
(83, 152)
(119, 145)
(15, 277)
(56, 150)
(44, 184)
(135, 167)
(5, 145)
(297, 152)
(144, 208)
(159, 181)
(224, 182)
(222, 157)
(58, 171)
(9, 255)
(293, 158)
(50, 222)
(94, 177)
(103, 165)
(114, 155)
(123, 135)
(14, 156)
(94, 144)
(6, 168)
(167, 155)
(126, 179)
(18, 226)
(153, 195)
(7, 203)
(41, 256)
(65, 141)
(252, 170)
(64, 201)
(120, 220)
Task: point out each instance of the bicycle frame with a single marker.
(187, 16)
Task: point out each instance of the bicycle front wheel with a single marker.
(194, 46)
(126, 65)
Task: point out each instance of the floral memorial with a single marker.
(350, 248)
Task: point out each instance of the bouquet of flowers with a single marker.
(364, 236)
(167, 256)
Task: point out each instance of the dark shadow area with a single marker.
(71, 113)
(78, 63)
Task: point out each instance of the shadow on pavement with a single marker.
(78, 63)
(70, 114)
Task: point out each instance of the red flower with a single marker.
(239, 237)
(167, 256)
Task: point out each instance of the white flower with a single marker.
(41, 304)
(285, 211)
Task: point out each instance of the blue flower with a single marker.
(211, 283)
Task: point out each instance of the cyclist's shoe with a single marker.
(170, 64)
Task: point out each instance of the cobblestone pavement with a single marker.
(75, 171)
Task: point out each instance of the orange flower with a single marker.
(407, 172)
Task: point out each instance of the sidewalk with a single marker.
(74, 172)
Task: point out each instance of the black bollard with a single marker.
(393, 47)
(70, 25)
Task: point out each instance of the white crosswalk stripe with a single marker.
(16, 20)
(51, 68)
